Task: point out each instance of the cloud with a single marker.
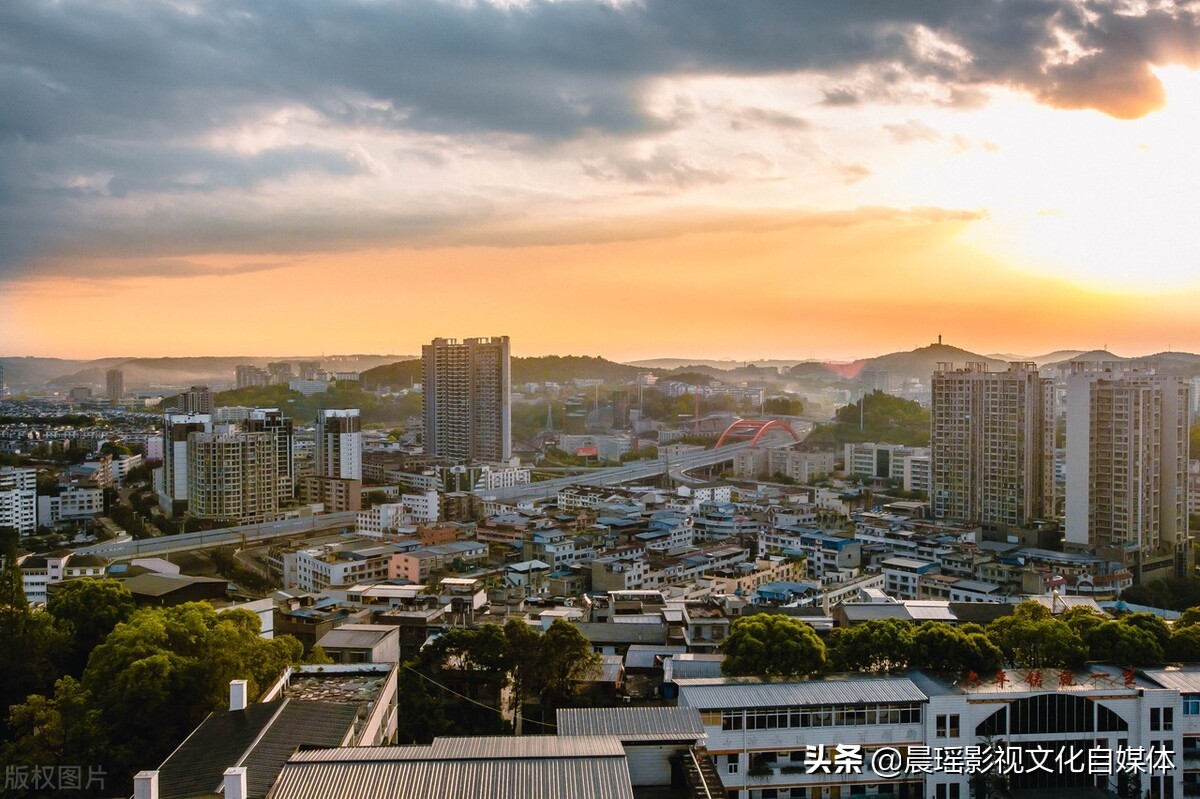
(664, 166)
(912, 130)
(105, 107)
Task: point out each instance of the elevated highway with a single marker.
(230, 536)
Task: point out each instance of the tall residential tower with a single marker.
(339, 444)
(992, 445)
(466, 399)
(1127, 469)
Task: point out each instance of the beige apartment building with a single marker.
(992, 445)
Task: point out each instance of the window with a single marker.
(732, 766)
(947, 725)
(1155, 719)
(1191, 705)
(1168, 718)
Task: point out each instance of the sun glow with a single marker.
(1110, 204)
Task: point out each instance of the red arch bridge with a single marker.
(754, 429)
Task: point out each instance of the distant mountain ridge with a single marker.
(141, 373)
(922, 362)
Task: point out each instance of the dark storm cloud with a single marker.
(89, 88)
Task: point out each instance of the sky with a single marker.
(741, 179)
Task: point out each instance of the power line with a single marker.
(469, 699)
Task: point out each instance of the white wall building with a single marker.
(73, 503)
(339, 443)
(18, 499)
(766, 738)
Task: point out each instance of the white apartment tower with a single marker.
(992, 445)
(177, 427)
(466, 399)
(1127, 468)
(233, 476)
(18, 499)
(339, 443)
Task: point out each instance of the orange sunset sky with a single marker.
(631, 179)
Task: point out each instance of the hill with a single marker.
(1040, 360)
(541, 369)
(722, 365)
(1183, 364)
(921, 362)
(885, 419)
(303, 409)
(144, 373)
(813, 370)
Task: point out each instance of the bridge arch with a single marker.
(754, 429)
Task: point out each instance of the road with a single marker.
(235, 536)
(632, 472)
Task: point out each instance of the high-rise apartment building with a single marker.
(233, 476)
(466, 398)
(248, 376)
(197, 399)
(308, 370)
(992, 445)
(114, 381)
(279, 426)
(339, 443)
(1127, 468)
(173, 490)
(18, 499)
(280, 371)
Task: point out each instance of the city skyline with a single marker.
(804, 177)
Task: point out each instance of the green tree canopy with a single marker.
(939, 647)
(877, 646)
(1184, 646)
(160, 673)
(87, 611)
(771, 645)
(1124, 644)
(1033, 638)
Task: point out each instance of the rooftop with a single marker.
(657, 724)
(740, 692)
(529, 767)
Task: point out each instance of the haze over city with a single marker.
(357, 177)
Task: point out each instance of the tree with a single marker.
(1124, 644)
(1082, 620)
(1032, 638)
(157, 675)
(939, 647)
(567, 658)
(771, 645)
(63, 728)
(1189, 617)
(12, 584)
(879, 645)
(1184, 646)
(1151, 624)
(87, 611)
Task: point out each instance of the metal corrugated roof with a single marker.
(548, 778)
(298, 724)
(483, 747)
(362, 754)
(357, 636)
(732, 693)
(642, 656)
(633, 723)
(527, 746)
(1185, 681)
